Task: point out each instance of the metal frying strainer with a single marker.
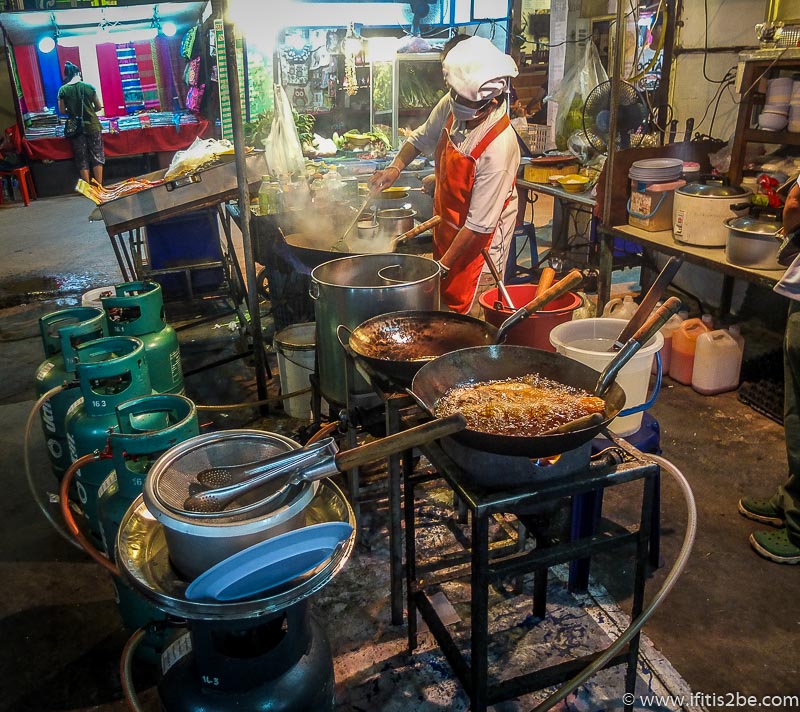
(173, 477)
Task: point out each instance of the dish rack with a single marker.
(536, 137)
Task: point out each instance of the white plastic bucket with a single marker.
(589, 341)
(92, 297)
(294, 346)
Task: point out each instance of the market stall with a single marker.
(149, 70)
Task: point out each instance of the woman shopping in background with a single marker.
(76, 98)
(477, 157)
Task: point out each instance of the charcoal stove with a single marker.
(541, 484)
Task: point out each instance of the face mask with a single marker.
(464, 113)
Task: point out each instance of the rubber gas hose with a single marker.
(126, 670)
(69, 520)
(255, 404)
(27, 462)
(669, 582)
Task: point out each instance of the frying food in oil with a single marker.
(525, 406)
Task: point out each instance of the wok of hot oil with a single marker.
(525, 406)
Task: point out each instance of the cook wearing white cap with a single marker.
(477, 157)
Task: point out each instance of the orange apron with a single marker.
(455, 178)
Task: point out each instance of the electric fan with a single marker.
(632, 117)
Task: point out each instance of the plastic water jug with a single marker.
(684, 340)
(717, 362)
(620, 308)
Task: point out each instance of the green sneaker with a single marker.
(776, 546)
(761, 510)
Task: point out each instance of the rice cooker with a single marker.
(700, 210)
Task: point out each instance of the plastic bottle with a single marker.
(620, 308)
(667, 331)
(684, 340)
(717, 361)
(708, 320)
(683, 314)
(266, 204)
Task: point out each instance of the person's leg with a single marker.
(783, 545)
(97, 155)
(80, 153)
(788, 496)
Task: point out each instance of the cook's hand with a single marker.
(381, 180)
(429, 184)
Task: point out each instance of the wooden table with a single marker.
(712, 258)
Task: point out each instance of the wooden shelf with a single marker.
(756, 64)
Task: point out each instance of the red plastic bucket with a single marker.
(535, 330)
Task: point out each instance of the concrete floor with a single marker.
(727, 627)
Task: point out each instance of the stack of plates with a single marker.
(656, 170)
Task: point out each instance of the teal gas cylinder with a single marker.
(147, 427)
(138, 310)
(62, 332)
(110, 371)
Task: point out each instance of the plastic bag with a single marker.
(573, 91)
(202, 151)
(282, 147)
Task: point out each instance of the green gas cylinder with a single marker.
(147, 427)
(62, 332)
(137, 309)
(110, 371)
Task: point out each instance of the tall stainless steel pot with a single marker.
(350, 290)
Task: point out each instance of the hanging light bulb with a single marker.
(47, 44)
(168, 29)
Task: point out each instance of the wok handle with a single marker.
(656, 320)
(573, 279)
(379, 449)
(346, 342)
(419, 229)
(650, 300)
(498, 280)
(545, 279)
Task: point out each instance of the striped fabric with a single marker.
(129, 71)
(30, 80)
(147, 74)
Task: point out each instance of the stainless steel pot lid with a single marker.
(713, 190)
(143, 560)
(173, 478)
(755, 226)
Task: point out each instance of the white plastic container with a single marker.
(620, 308)
(92, 297)
(295, 347)
(717, 361)
(589, 341)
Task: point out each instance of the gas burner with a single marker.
(144, 562)
(491, 472)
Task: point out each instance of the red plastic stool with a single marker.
(25, 180)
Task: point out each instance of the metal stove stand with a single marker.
(597, 474)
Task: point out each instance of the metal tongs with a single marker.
(227, 483)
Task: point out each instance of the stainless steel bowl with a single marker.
(197, 542)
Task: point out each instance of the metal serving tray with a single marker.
(200, 189)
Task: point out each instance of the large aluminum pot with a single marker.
(699, 212)
(351, 290)
(753, 243)
(195, 542)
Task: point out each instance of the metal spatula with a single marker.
(336, 245)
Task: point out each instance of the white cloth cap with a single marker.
(477, 70)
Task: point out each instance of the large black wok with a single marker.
(397, 344)
(485, 363)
